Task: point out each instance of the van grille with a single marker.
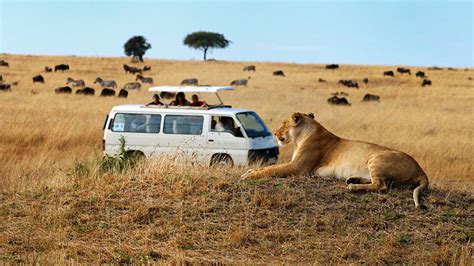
(263, 155)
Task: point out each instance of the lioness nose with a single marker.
(281, 138)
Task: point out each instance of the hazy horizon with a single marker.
(415, 33)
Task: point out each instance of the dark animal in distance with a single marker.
(321, 80)
(86, 91)
(403, 70)
(389, 73)
(167, 95)
(65, 89)
(239, 82)
(144, 79)
(332, 66)
(132, 86)
(349, 83)
(61, 67)
(106, 83)
(123, 94)
(192, 81)
(250, 68)
(131, 70)
(75, 83)
(334, 100)
(435, 68)
(146, 68)
(365, 80)
(48, 69)
(4, 63)
(5, 87)
(278, 73)
(107, 92)
(426, 82)
(371, 97)
(420, 74)
(38, 78)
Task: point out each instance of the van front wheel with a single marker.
(221, 160)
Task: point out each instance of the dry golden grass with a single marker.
(51, 210)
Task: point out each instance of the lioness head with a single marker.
(292, 127)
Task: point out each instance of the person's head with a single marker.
(155, 97)
(180, 98)
(195, 98)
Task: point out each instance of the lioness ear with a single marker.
(296, 117)
(311, 115)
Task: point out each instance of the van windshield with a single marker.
(253, 125)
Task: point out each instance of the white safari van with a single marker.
(214, 134)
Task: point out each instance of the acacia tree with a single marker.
(136, 46)
(204, 40)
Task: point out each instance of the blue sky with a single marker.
(421, 33)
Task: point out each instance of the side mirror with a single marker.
(238, 132)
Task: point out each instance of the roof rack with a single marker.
(193, 89)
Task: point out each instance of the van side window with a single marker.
(183, 124)
(137, 123)
(225, 124)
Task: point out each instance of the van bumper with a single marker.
(264, 156)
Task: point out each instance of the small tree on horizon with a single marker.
(136, 46)
(204, 40)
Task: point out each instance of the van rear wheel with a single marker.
(136, 156)
(221, 160)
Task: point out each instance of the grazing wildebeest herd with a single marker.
(107, 87)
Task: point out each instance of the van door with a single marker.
(183, 137)
(226, 137)
(138, 130)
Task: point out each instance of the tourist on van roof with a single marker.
(156, 100)
(196, 101)
(180, 100)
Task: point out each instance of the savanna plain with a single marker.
(57, 204)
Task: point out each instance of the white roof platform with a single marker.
(191, 89)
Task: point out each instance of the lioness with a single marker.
(364, 166)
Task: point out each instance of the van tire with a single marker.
(221, 160)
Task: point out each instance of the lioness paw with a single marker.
(247, 174)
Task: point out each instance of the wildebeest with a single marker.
(349, 83)
(106, 83)
(107, 92)
(403, 70)
(278, 73)
(144, 79)
(75, 83)
(146, 68)
(167, 95)
(5, 87)
(48, 69)
(426, 82)
(371, 97)
(132, 86)
(86, 91)
(365, 80)
(332, 66)
(38, 78)
(321, 80)
(65, 89)
(250, 68)
(123, 93)
(4, 63)
(61, 67)
(420, 74)
(239, 82)
(131, 70)
(334, 100)
(192, 81)
(340, 93)
(389, 73)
